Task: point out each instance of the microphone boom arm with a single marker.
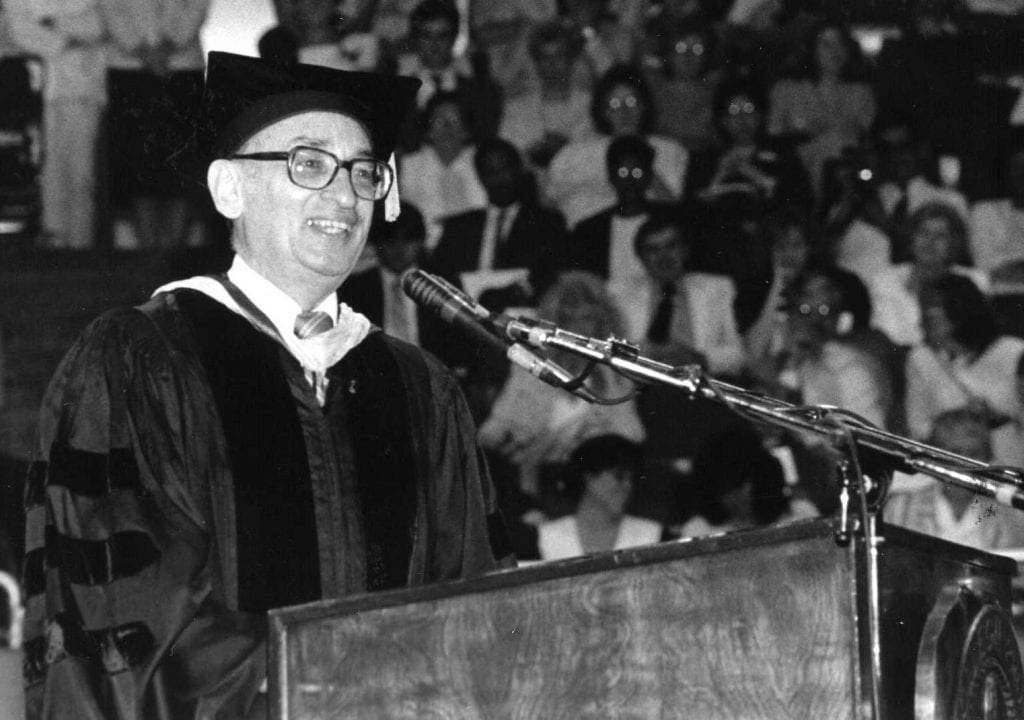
(1004, 484)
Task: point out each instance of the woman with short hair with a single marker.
(964, 361)
(599, 478)
(621, 105)
(534, 426)
(938, 237)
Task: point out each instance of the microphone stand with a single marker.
(846, 431)
(844, 428)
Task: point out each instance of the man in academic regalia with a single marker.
(245, 442)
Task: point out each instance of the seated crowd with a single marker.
(743, 191)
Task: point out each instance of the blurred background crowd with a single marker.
(823, 201)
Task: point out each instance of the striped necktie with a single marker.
(312, 322)
(491, 244)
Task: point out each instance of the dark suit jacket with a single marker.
(364, 293)
(535, 241)
(591, 242)
(471, 360)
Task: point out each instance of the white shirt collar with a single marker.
(277, 305)
(316, 353)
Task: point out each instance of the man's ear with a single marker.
(225, 183)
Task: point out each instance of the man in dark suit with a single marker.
(513, 231)
(433, 29)
(377, 293)
(603, 243)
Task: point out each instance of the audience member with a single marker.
(741, 486)
(833, 358)
(400, 247)
(762, 303)
(607, 41)
(997, 226)
(535, 427)
(661, 15)
(748, 163)
(598, 480)
(504, 30)
(828, 111)
(621, 105)
(731, 189)
(677, 424)
(904, 185)
(68, 36)
(512, 233)
(930, 506)
(279, 46)
(339, 40)
(544, 119)
(938, 244)
(155, 80)
(439, 178)
(675, 307)
(603, 243)
(683, 78)
(433, 27)
(378, 293)
(851, 218)
(963, 361)
(927, 75)
(769, 38)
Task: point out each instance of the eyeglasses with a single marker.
(629, 101)
(741, 107)
(684, 48)
(626, 172)
(822, 310)
(315, 169)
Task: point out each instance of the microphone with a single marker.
(522, 329)
(546, 370)
(455, 307)
(451, 305)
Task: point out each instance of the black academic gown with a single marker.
(187, 480)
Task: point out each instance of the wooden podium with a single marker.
(769, 623)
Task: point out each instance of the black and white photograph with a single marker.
(511, 359)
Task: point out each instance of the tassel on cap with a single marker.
(392, 204)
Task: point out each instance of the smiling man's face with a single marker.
(302, 240)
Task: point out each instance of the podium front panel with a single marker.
(757, 625)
